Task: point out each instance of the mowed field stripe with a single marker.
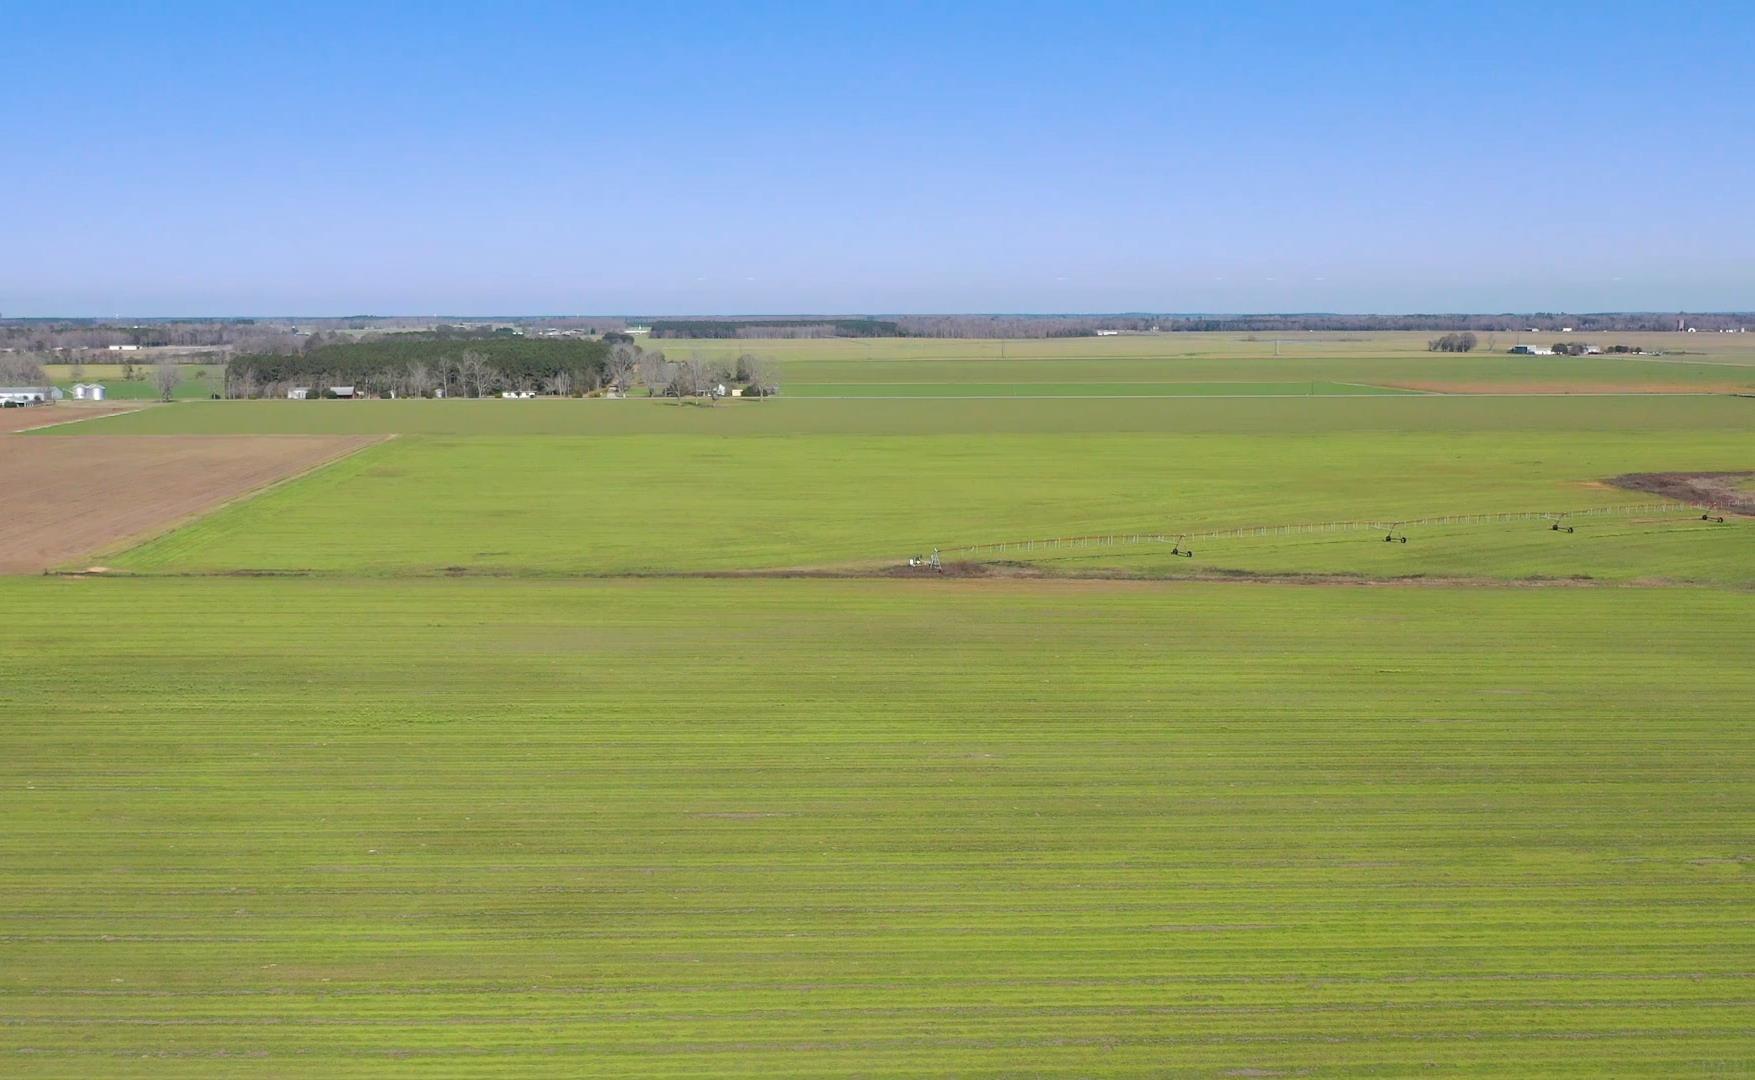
(873, 829)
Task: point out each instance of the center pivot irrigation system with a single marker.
(1395, 532)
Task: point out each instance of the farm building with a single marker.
(298, 393)
(124, 348)
(518, 394)
(28, 395)
(341, 391)
(1531, 350)
(88, 391)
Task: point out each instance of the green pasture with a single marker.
(1715, 362)
(955, 389)
(1390, 413)
(878, 828)
(546, 505)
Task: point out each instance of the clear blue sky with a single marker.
(318, 158)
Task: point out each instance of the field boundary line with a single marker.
(82, 419)
(344, 453)
(1301, 528)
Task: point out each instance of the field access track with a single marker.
(75, 497)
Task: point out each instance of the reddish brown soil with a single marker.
(45, 415)
(66, 498)
(1722, 490)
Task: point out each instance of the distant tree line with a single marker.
(773, 328)
(21, 369)
(1463, 342)
(416, 365)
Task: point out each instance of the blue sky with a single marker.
(319, 158)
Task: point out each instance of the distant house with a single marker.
(1107, 333)
(26, 395)
(298, 393)
(124, 348)
(1531, 350)
(341, 391)
(88, 391)
(518, 394)
(638, 330)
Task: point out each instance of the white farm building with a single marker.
(27, 395)
(88, 391)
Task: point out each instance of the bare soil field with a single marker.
(46, 416)
(72, 497)
(1723, 490)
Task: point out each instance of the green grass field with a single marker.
(1346, 363)
(873, 829)
(957, 389)
(489, 776)
(539, 505)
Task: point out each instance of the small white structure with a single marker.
(519, 395)
(1531, 350)
(1107, 333)
(737, 391)
(638, 330)
(298, 393)
(88, 391)
(26, 395)
(342, 391)
(124, 348)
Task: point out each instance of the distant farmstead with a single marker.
(1531, 350)
(13, 396)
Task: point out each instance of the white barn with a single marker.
(27, 395)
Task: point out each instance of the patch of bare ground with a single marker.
(42, 416)
(1728, 491)
(67, 498)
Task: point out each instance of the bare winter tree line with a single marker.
(21, 369)
(470, 374)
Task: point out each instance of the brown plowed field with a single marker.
(64, 498)
(45, 415)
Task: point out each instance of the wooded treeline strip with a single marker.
(773, 328)
(413, 365)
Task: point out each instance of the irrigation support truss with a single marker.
(1111, 539)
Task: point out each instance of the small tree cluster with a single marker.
(1464, 342)
(21, 369)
